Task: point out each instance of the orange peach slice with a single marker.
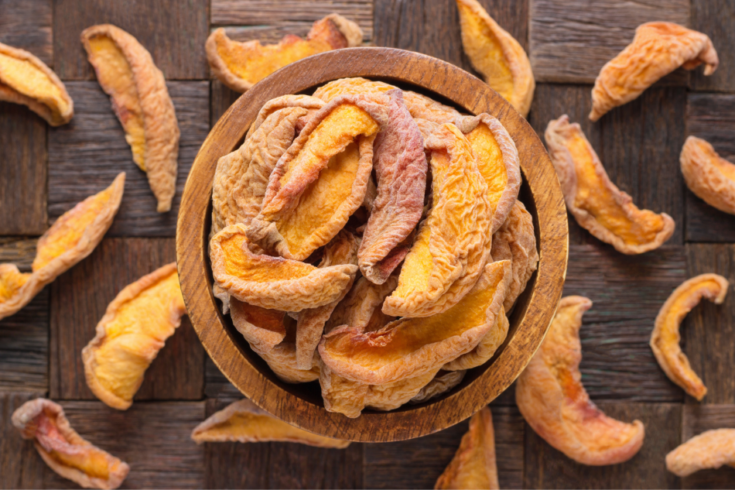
(709, 176)
(708, 450)
(443, 382)
(485, 349)
(665, 336)
(551, 398)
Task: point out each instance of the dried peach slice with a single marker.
(24, 79)
(474, 463)
(594, 201)
(273, 282)
(140, 99)
(658, 48)
(551, 398)
(283, 102)
(665, 336)
(442, 383)
(64, 450)
(70, 239)
(351, 86)
(708, 450)
(485, 349)
(709, 176)
(362, 304)
(243, 421)
(411, 347)
(496, 55)
(454, 241)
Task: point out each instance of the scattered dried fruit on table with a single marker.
(24, 79)
(709, 176)
(454, 241)
(658, 48)
(550, 396)
(496, 55)
(708, 450)
(242, 65)
(243, 421)
(69, 240)
(485, 349)
(665, 336)
(135, 327)
(442, 383)
(65, 451)
(474, 464)
(595, 202)
(126, 72)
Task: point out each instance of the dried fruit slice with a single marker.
(496, 55)
(273, 282)
(708, 450)
(351, 86)
(658, 48)
(551, 398)
(70, 239)
(242, 421)
(64, 450)
(242, 65)
(595, 202)
(422, 107)
(285, 101)
(361, 304)
(485, 349)
(454, 241)
(411, 347)
(665, 336)
(709, 176)
(474, 463)
(24, 79)
(442, 383)
(135, 327)
(140, 99)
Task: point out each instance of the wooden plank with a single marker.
(18, 251)
(24, 347)
(700, 418)
(545, 467)
(217, 387)
(571, 40)
(80, 298)
(714, 18)
(710, 328)
(222, 98)
(710, 117)
(86, 155)
(26, 24)
(20, 465)
(418, 463)
(174, 32)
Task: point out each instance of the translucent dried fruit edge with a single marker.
(709, 176)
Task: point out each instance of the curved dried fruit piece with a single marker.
(242, 65)
(135, 327)
(496, 55)
(474, 463)
(361, 304)
(551, 398)
(709, 176)
(708, 450)
(485, 349)
(658, 48)
(273, 282)
(400, 167)
(454, 241)
(411, 347)
(140, 99)
(24, 79)
(285, 101)
(596, 203)
(442, 383)
(65, 451)
(422, 107)
(351, 86)
(243, 421)
(665, 336)
(70, 239)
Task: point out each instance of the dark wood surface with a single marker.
(45, 171)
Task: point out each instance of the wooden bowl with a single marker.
(301, 405)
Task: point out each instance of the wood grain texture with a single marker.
(700, 418)
(545, 467)
(221, 98)
(712, 118)
(715, 18)
(173, 31)
(217, 387)
(709, 330)
(87, 154)
(571, 40)
(20, 465)
(79, 300)
(24, 347)
(19, 251)
(638, 144)
(26, 24)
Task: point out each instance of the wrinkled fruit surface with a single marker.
(709, 450)
(709, 176)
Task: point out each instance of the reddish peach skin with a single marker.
(709, 450)
(550, 395)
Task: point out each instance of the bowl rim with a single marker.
(464, 90)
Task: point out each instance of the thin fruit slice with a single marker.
(709, 176)
(665, 336)
(24, 79)
(551, 398)
(140, 99)
(708, 450)
(130, 335)
(443, 382)
(64, 450)
(485, 349)
(594, 201)
(362, 305)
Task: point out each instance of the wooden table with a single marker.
(44, 171)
